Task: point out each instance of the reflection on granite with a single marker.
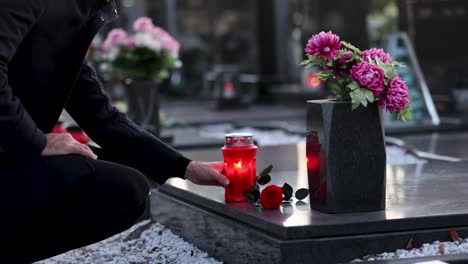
(450, 144)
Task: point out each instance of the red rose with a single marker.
(271, 197)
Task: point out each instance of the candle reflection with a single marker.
(317, 183)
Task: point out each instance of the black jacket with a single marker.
(43, 44)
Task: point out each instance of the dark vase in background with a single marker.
(346, 157)
(143, 104)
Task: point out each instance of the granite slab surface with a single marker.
(420, 196)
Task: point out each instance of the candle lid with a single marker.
(238, 139)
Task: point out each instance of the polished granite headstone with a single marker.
(423, 202)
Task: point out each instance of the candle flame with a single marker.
(238, 165)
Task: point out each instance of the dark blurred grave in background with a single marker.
(438, 31)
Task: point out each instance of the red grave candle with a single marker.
(239, 165)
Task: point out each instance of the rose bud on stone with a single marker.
(271, 197)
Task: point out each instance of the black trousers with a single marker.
(76, 201)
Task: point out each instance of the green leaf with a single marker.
(362, 97)
(252, 196)
(266, 171)
(256, 187)
(323, 75)
(389, 73)
(287, 191)
(336, 90)
(351, 47)
(379, 63)
(398, 64)
(317, 61)
(304, 63)
(342, 52)
(405, 114)
(353, 86)
(301, 194)
(354, 57)
(264, 180)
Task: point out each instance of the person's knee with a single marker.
(127, 188)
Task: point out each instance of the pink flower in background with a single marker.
(131, 43)
(147, 40)
(324, 44)
(111, 44)
(143, 24)
(171, 46)
(159, 32)
(147, 43)
(369, 76)
(396, 97)
(376, 53)
(117, 36)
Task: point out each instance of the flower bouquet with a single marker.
(361, 77)
(148, 54)
(144, 60)
(345, 145)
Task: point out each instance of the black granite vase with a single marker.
(143, 104)
(346, 157)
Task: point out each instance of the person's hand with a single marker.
(63, 144)
(206, 173)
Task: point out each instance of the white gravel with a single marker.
(437, 248)
(155, 245)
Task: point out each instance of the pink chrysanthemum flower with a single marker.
(324, 44)
(342, 66)
(341, 61)
(396, 97)
(376, 53)
(369, 76)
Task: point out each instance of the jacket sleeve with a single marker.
(20, 138)
(90, 106)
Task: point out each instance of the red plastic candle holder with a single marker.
(240, 166)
